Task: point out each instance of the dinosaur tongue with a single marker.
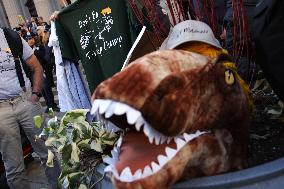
(136, 152)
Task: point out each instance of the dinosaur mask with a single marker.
(182, 114)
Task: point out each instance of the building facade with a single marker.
(11, 9)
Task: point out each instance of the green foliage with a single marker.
(50, 112)
(38, 121)
(81, 146)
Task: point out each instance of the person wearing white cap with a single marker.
(194, 36)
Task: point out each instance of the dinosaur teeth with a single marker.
(110, 110)
(186, 137)
(95, 107)
(151, 135)
(138, 174)
(155, 167)
(126, 175)
(157, 139)
(170, 152)
(180, 143)
(163, 139)
(147, 171)
(132, 116)
(162, 160)
(109, 160)
(189, 137)
(157, 136)
(119, 142)
(115, 153)
(169, 139)
(108, 169)
(104, 104)
(154, 135)
(120, 108)
(139, 123)
(146, 129)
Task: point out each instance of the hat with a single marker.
(190, 30)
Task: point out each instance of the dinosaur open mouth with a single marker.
(141, 151)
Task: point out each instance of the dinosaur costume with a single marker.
(185, 114)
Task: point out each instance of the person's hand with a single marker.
(223, 35)
(54, 16)
(34, 98)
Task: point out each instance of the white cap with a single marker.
(190, 30)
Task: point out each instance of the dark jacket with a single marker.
(249, 6)
(268, 30)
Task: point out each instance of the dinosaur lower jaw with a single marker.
(134, 158)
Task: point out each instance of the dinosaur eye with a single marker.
(229, 77)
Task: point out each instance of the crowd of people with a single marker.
(23, 63)
(36, 32)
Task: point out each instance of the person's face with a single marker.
(40, 20)
(31, 42)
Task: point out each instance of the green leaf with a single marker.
(53, 123)
(66, 170)
(75, 177)
(109, 142)
(50, 158)
(47, 131)
(49, 141)
(102, 132)
(66, 153)
(96, 145)
(59, 142)
(82, 186)
(75, 153)
(62, 140)
(38, 121)
(75, 116)
(61, 128)
(75, 136)
(50, 112)
(112, 135)
(84, 144)
(82, 127)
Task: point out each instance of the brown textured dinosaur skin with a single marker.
(176, 92)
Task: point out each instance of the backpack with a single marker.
(268, 30)
(15, 44)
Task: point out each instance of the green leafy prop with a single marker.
(81, 146)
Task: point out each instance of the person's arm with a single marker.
(37, 71)
(54, 16)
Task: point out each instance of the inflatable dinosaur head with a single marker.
(181, 113)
